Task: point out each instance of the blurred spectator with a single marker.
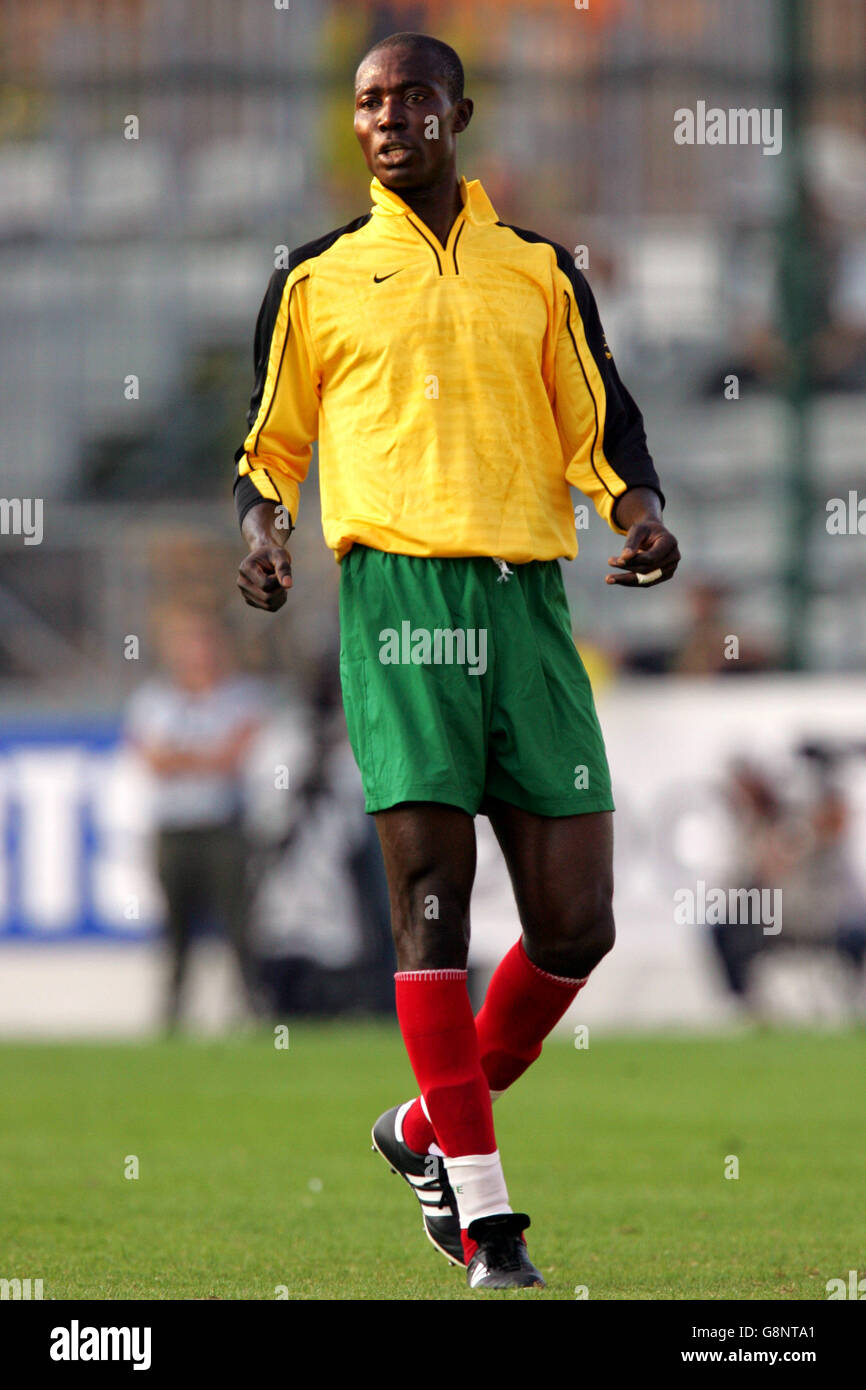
(702, 649)
(705, 648)
(801, 848)
(193, 725)
(321, 895)
(757, 816)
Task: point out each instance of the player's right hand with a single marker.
(265, 577)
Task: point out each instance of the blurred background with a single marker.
(183, 839)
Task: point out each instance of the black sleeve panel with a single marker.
(624, 441)
(245, 492)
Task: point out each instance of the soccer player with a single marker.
(456, 375)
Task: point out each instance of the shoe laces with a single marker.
(442, 1185)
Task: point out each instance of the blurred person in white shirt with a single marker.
(193, 725)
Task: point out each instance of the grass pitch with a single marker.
(255, 1169)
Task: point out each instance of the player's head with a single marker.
(400, 84)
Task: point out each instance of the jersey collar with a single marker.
(477, 207)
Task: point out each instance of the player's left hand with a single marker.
(649, 547)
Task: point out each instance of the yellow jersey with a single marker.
(455, 391)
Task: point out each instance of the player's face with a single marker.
(396, 92)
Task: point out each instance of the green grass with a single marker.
(618, 1152)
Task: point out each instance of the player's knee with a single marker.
(599, 934)
(434, 897)
(571, 942)
(430, 920)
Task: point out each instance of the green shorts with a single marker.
(461, 683)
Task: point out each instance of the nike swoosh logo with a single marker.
(377, 279)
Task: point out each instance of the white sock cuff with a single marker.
(422, 975)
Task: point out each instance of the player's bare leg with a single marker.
(429, 853)
(561, 868)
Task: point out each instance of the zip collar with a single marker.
(477, 207)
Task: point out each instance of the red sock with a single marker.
(438, 1029)
(523, 1004)
(417, 1129)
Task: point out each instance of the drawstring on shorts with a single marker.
(504, 572)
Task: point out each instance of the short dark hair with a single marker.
(450, 66)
